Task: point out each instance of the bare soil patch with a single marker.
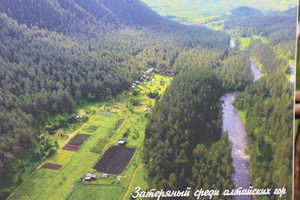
(115, 160)
(52, 166)
(75, 143)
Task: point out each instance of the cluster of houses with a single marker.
(143, 77)
(81, 116)
(170, 72)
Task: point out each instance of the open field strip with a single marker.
(59, 157)
(56, 184)
(135, 174)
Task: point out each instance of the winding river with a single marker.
(292, 71)
(255, 70)
(238, 138)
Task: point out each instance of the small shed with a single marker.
(83, 116)
(104, 175)
(122, 141)
(89, 177)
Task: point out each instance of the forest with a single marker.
(184, 141)
(55, 55)
(278, 28)
(269, 111)
(268, 103)
(66, 53)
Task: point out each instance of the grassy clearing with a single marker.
(242, 115)
(56, 184)
(96, 192)
(263, 39)
(244, 42)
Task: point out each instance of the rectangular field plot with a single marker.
(52, 166)
(115, 160)
(79, 139)
(76, 142)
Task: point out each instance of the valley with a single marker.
(200, 12)
(96, 100)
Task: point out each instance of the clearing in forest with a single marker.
(104, 132)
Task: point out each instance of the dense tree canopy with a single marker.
(269, 114)
(183, 145)
(278, 27)
(54, 54)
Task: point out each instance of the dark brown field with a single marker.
(69, 147)
(76, 142)
(115, 160)
(52, 166)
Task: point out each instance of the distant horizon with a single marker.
(189, 11)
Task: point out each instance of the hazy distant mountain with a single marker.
(244, 11)
(80, 15)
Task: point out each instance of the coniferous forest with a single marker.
(184, 136)
(58, 55)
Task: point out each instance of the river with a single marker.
(232, 43)
(255, 70)
(292, 71)
(238, 138)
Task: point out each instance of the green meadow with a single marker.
(244, 42)
(66, 183)
(197, 11)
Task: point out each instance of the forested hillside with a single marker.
(278, 28)
(55, 54)
(269, 112)
(268, 103)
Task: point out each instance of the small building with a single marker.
(104, 175)
(89, 177)
(145, 109)
(83, 116)
(144, 76)
(122, 141)
(137, 82)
